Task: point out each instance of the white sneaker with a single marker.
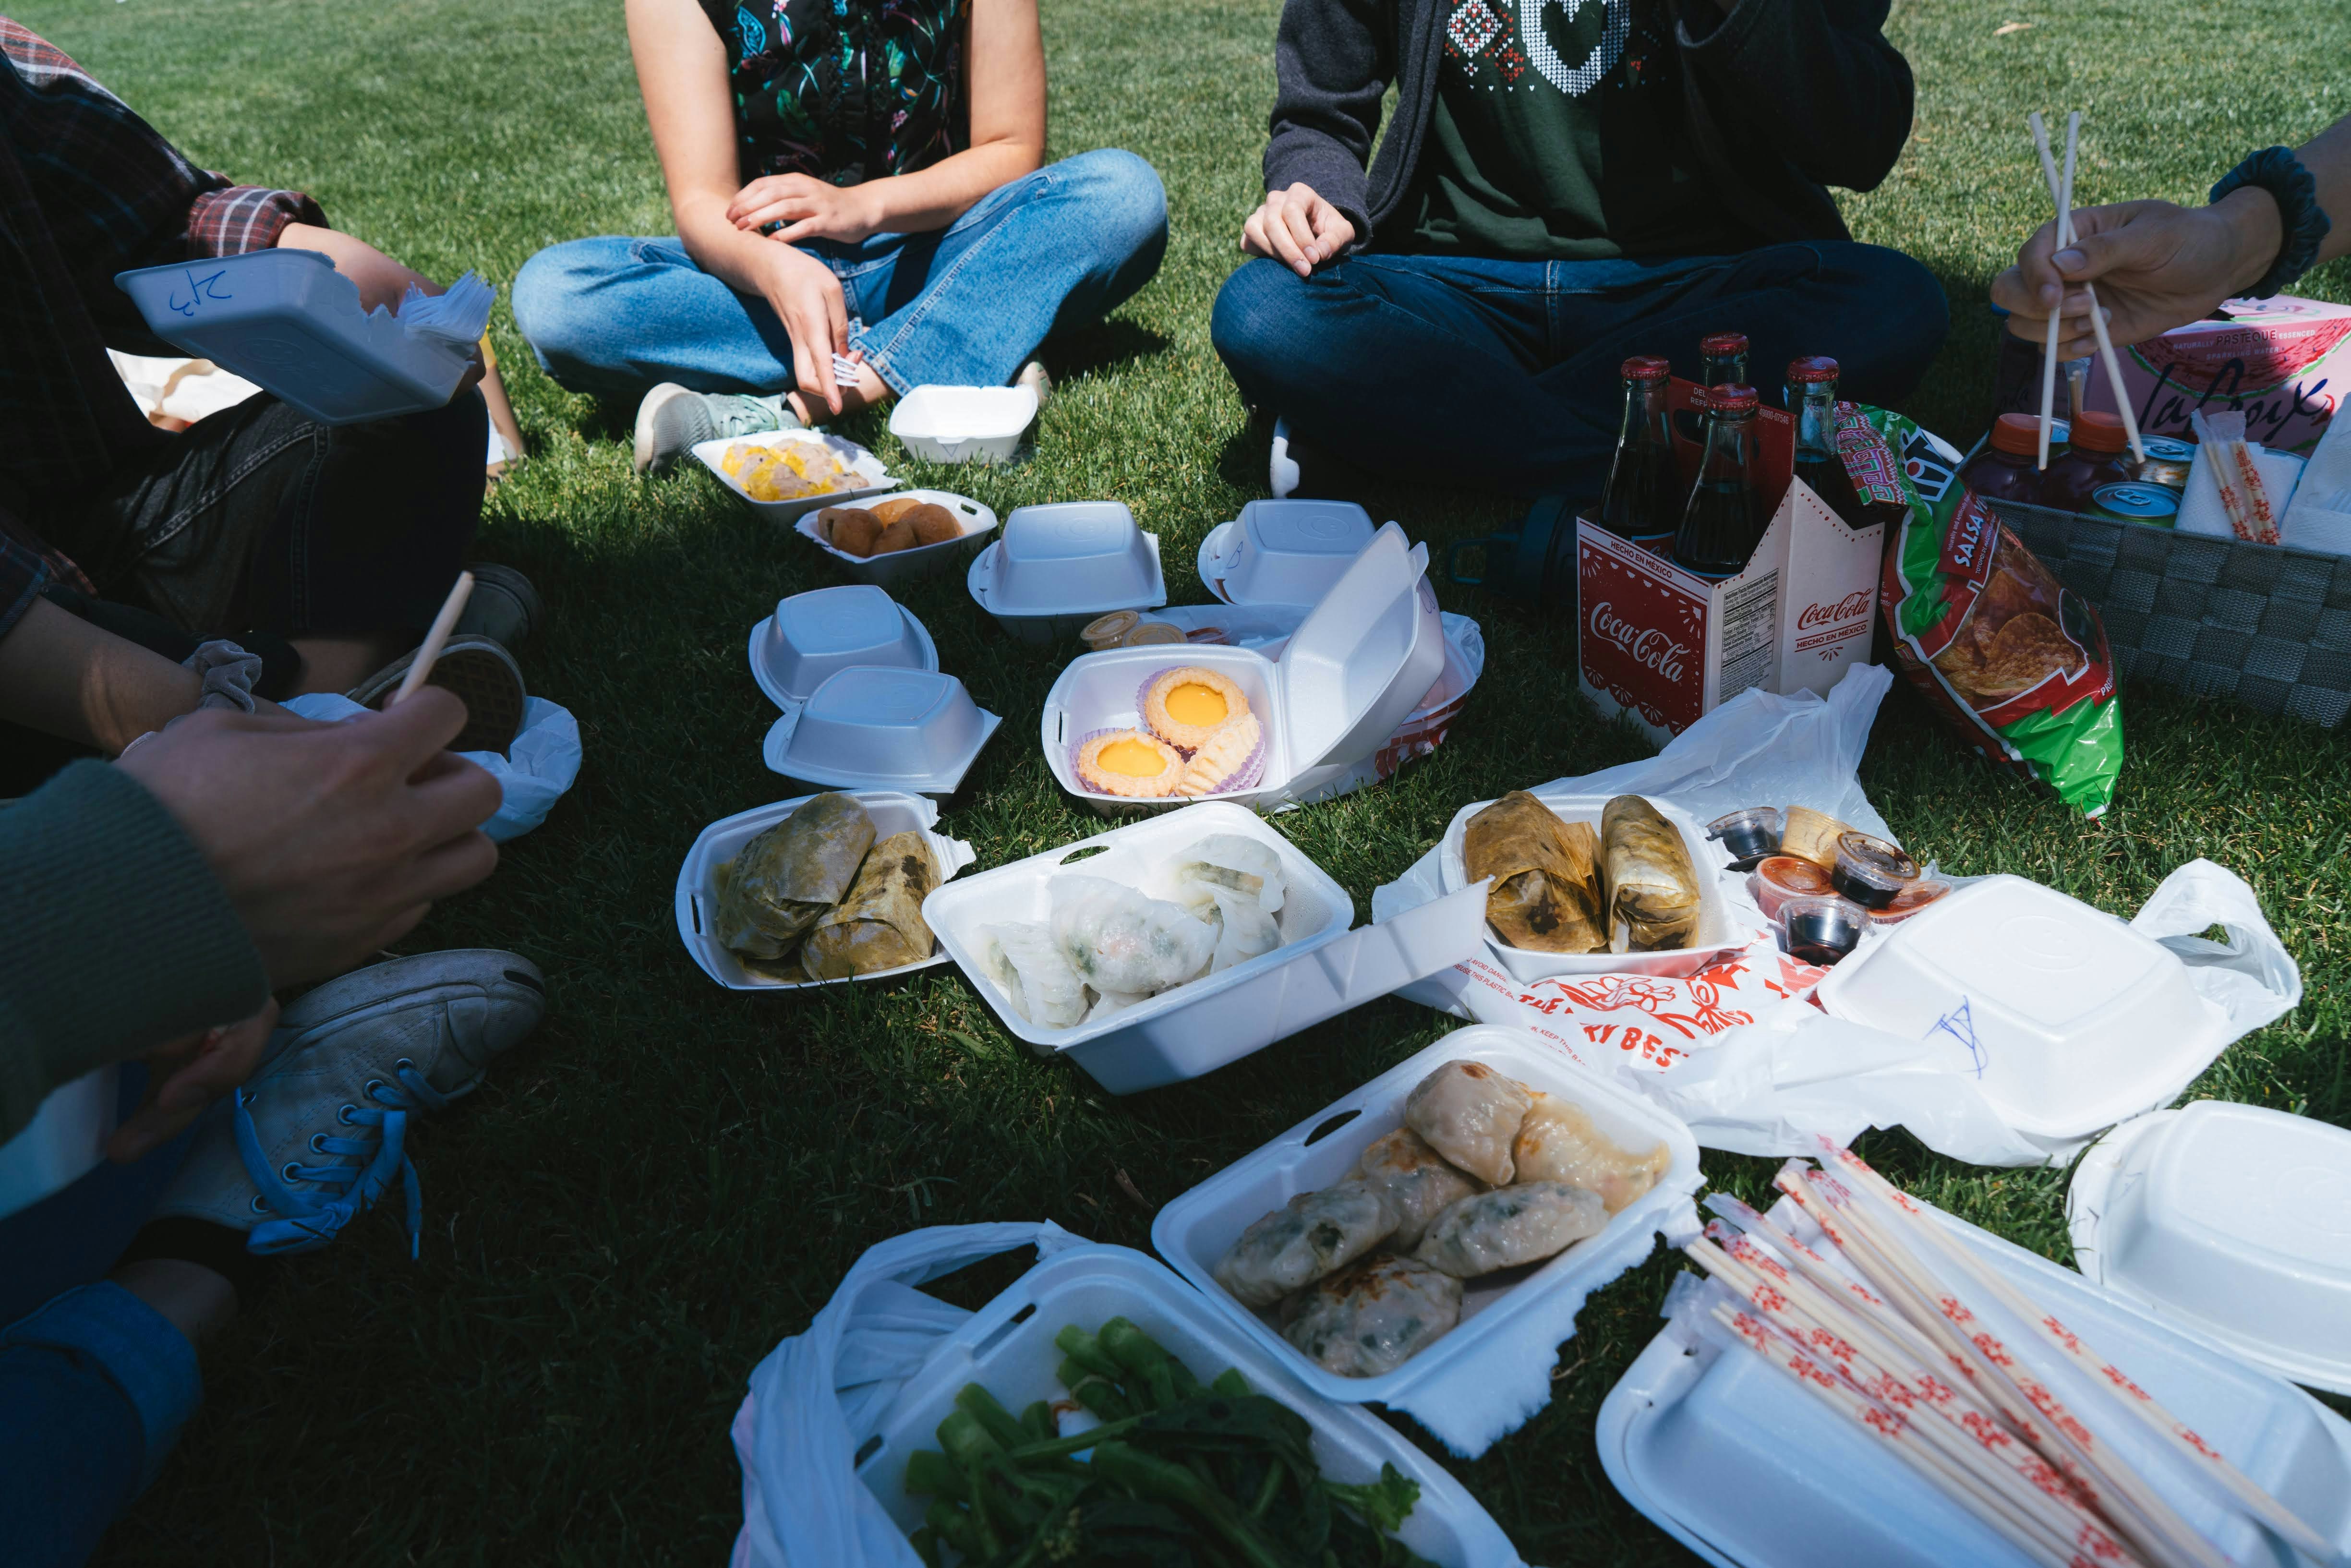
(1281, 468)
(1034, 374)
(318, 1133)
(672, 421)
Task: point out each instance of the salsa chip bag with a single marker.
(2016, 662)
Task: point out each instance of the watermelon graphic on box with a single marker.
(2284, 362)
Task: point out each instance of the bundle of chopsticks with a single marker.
(1906, 1340)
(2061, 191)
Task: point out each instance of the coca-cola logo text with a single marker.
(1845, 608)
(1646, 645)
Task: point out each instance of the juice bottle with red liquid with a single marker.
(2004, 470)
(1724, 519)
(1643, 501)
(2097, 453)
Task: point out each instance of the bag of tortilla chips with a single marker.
(2015, 661)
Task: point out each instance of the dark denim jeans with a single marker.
(1504, 374)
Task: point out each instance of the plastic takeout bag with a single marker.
(532, 776)
(1738, 1051)
(819, 1395)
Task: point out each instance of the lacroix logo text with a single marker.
(1845, 608)
(1646, 645)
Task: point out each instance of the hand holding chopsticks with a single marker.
(2061, 191)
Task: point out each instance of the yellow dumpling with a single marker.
(1184, 706)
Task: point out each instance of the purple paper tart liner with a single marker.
(1252, 770)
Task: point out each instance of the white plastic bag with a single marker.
(532, 776)
(819, 1395)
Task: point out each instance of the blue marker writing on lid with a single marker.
(199, 290)
(1961, 1025)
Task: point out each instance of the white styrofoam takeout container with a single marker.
(1749, 1470)
(1718, 923)
(287, 321)
(924, 561)
(1358, 664)
(722, 841)
(812, 636)
(2067, 1018)
(869, 728)
(63, 1142)
(1197, 1229)
(963, 424)
(1286, 553)
(1055, 568)
(1320, 970)
(1007, 1348)
(867, 468)
(2231, 1223)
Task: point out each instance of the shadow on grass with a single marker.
(1084, 349)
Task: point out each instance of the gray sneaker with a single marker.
(502, 607)
(672, 421)
(320, 1133)
(484, 676)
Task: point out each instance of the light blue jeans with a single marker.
(963, 306)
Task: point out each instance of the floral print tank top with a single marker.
(846, 90)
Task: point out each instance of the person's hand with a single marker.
(807, 297)
(184, 1076)
(808, 208)
(2156, 266)
(1298, 228)
(333, 840)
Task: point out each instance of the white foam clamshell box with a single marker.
(812, 636)
(1320, 969)
(868, 728)
(1198, 1228)
(1007, 1348)
(2231, 1223)
(963, 424)
(287, 321)
(1057, 567)
(1719, 925)
(902, 565)
(1283, 552)
(1358, 664)
(867, 468)
(2067, 1018)
(1749, 1470)
(722, 841)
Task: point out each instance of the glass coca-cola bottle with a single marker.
(1643, 501)
(1812, 398)
(1724, 519)
(1721, 361)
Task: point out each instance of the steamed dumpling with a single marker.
(1119, 940)
(1373, 1317)
(1513, 1224)
(1299, 1243)
(1559, 1142)
(1470, 1114)
(1036, 979)
(1243, 929)
(1237, 864)
(1415, 1178)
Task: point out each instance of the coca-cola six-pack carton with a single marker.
(2284, 361)
(1667, 647)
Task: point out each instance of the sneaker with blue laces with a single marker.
(320, 1133)
(672, 421)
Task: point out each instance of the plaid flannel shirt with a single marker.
(87, 189)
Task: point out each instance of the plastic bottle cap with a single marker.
(1722, 345)
(1812, 370)
(1730, 399)
(1645, 368)
(2098, 430)
(2018, 435)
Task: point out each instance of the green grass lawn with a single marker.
(671, 1178)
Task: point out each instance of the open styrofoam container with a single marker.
(1357, 665)
(963, 424)
(2067, 1018)
(871, 729)
(863, 464)
(289, 322)
(1749, 1470)
(2231, 1223)
(1283, 552)
(722, 841)
(1719, 925)
(64, 1141)
(1055, 568)
(1197, 1229)
(1007, 1348)
(900, 565)
(1320, 969)
(812, 636)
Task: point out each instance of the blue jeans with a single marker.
(1504, 373)
(963, 306)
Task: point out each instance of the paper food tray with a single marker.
(902, 566)
(1320, 969)
(1007, 1348)
(697, 882)
(867, 466)
(1197, 1229)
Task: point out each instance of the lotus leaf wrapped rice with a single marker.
(1546, 892)
(1418, 1180)
(1470, 1114)
(1299, 1243)
(1373, 1317)
(1652, 888)
(1511, 1226)
(880, 924)
(784, 880)
(1560, 1142)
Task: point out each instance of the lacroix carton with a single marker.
(2284, 362)
(1668, 647)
